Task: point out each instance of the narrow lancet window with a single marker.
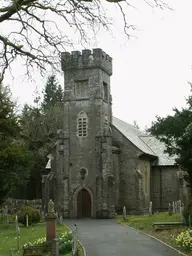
(82, 125)
(105, 91)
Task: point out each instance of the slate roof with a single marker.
(146, 143)
(158, 148)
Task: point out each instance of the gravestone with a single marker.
(173, 206)
(170, 209)
(181, 213)
(17, 232)
(177, 206)
(124, 213)
(61, 220)
(150, 209)
(27, 221)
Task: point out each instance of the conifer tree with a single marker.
(14, 157)
(53, 93)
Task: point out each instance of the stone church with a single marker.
(100, 163)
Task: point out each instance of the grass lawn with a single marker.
(8, 236)
(144, 223)
(80, 250)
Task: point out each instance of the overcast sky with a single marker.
(150, 72)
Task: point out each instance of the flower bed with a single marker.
(65, 242)
(184, 240)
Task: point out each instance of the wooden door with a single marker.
(83, 204)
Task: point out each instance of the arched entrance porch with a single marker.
(84, 204)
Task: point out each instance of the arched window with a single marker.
(82, 125)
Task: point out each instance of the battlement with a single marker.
(87, 59)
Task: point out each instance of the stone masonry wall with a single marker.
(164, 186)
(128, 164)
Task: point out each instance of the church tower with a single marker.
(84, 178)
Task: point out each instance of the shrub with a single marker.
(33, 215)
(184, 240)
(187, 211)
(36, 216)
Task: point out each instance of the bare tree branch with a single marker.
(35, 31)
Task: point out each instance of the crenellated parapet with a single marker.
(86, 59)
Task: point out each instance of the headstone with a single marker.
(170, 209)
(18, 238)
(6, 215)
(179, 202)
(150, 209)
(124, 213)
(173, 205)
(17, 232)
(27, 221)
(16, 222)
(177, 206)
(181, 213)
(61, 220)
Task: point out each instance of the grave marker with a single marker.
(170, 209)
(124, 213)
(150, 208)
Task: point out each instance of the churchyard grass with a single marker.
(80, 250)
(8, 238)
(144, 224)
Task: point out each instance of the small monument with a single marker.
(51, 222)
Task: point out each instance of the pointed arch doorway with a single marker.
(84, 204)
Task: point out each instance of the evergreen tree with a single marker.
(14, 157)
(53, 93)
(39, 130)
(176, 132)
